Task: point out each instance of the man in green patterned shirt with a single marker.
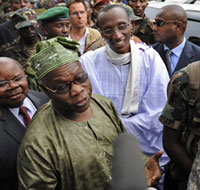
(68, 145)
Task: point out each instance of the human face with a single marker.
(97, 9)
(78, 15)
(77, 99)
(12, 93)
(166, 30)
(29, 34)
(138, 7)
(57, 28)
(18, 4)
(117, 21)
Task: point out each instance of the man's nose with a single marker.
(116, 33)
(76, 89)
(12, 84)
(23, 4)
(65, 29)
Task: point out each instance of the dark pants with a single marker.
(171, 184)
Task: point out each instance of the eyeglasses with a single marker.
(16, 80)
(110, 31)
(65, 87)
(160, 23)
(75, 14)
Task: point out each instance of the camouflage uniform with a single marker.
(180, 114)
(194, 180)
(16, 50)
(143, 29)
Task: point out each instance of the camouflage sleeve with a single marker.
(174, 114)
(194, 179)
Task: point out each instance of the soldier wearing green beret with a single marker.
(55, 22)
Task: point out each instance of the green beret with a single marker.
(54, 14)
(53, 53)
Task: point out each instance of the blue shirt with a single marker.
(176, 53)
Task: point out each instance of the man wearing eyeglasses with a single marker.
(14, 96)
(69, 143)
(132, 75)
(175, 50)
(88, 38)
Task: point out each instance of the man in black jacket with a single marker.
(170, 25)
(14, 96)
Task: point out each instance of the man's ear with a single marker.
(179, 26)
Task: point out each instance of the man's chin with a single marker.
(15, 104)
(120, 50)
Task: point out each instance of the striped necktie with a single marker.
(26, 117)
(169, 61)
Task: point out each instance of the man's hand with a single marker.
(152, 169)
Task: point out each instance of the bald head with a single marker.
(170, 26)
(174, 13)
(8, 61)
(108, 8)
(13, 83)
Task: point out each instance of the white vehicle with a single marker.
(193, 14)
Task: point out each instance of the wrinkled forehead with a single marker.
(68, 70)
(112, 16)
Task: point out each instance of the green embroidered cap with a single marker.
(53, 53)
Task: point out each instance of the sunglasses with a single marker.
(160, 23)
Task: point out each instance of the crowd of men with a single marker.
(97, 69)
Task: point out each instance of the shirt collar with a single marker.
(177, 50)
(26, 103)
(85, 35)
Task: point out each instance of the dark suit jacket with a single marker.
(190, 53)
(11, 134)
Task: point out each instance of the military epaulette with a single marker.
(7, 46)
(180, 76)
